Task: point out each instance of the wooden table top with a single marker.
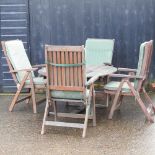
(101, 70)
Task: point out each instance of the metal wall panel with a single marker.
(14, 19)
(129, 22)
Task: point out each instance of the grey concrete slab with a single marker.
(127, 134)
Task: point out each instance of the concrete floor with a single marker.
(127, 134)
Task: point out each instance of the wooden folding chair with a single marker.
(22, 72)
(66, 82)
(128, 88)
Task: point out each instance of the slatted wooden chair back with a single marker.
(145, 55)
(65, 68)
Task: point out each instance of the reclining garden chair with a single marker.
(66, 82)
(127, 87)
(22, 72)
(99, 51)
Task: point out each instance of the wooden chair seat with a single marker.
(114, 85)
(37, 81)
(70, 95)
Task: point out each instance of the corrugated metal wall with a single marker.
(14, 24)
(129, 22)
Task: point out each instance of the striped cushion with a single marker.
(18, 57)
(99, 51)
(69, 94)
(37, 81)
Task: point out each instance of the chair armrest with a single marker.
(40, 65)
(126, 76)
(21, 70)
(127, 70)
(92, 80)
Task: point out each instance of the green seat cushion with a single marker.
(37, 81)
(18, 57)
(113, 86)
(99, 51)
(69, 94)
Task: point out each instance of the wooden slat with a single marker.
(70, 115)
(68, 100)
(59, 68)
(64, 124)
(64, 48)
(67, 68)
(75, 88)
(83, 67)
(55, 68)
(63, 69)
(71, 69)
(79, 70)
(50, 68)
(75, 69)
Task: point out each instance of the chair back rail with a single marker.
(65, 68)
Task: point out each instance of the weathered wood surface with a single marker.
(62, 72)
(91, 71)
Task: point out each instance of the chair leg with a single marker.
(115, 100)
(107, 98)
(33, 94)
(18, 92)
(55, 110)
(28, 100)
(44, 118)
(94, 109)
(140, 102)
(34, 101)
(120, 101)
(149, 99)
(86, 120)
(15, 99)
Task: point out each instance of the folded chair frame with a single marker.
(117, 101)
